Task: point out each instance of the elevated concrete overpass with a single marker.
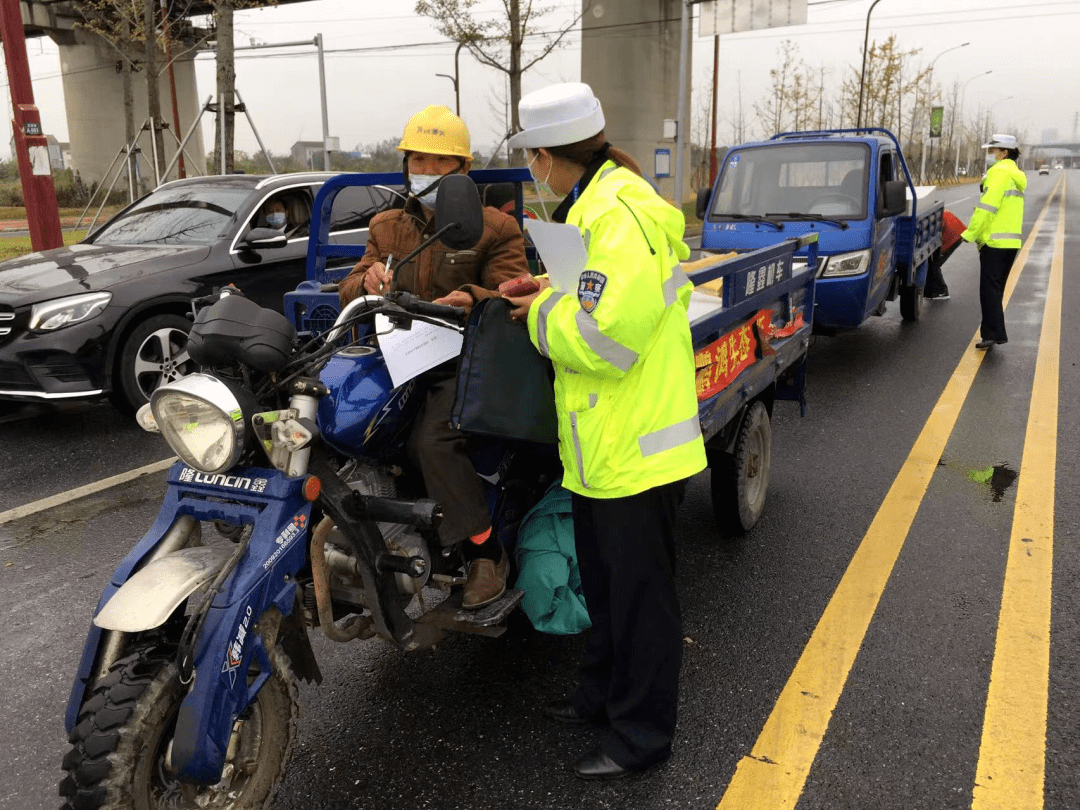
(630, 56)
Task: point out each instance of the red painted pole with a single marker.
(31, 145)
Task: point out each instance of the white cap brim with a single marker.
(559, 134)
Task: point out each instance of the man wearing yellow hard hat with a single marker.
(436, 143)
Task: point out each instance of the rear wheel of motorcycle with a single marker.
(118, 756)
(740, 479)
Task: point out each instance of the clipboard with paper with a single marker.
(562, 250)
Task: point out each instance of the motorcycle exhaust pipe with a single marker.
(424, 513)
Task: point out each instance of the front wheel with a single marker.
(740, 480)
(119, 750)
(911, 298)
(154, 353)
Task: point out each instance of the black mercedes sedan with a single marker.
(109, 316)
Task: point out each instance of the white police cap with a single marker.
(1001, 142)
(558, 115)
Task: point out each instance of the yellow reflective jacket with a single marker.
(620, 344)
(999, 214)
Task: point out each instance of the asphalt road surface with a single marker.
(900, 630)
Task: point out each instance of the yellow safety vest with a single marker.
(620, 344)
(999, 214)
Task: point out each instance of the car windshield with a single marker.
(175, 216)
(799, 180)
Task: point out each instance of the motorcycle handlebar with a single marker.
(410, 303)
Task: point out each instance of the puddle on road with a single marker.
(999, 478)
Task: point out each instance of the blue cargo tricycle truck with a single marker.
(849, 186)
(751, 318)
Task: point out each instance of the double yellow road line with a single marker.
(1012, 753)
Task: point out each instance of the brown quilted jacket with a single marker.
(438, 270)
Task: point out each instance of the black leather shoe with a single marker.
(985, 344)
(565, 711)
(598, 765)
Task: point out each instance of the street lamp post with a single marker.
(930, 81)
(454, 79)
(862, 75)
(960, 117)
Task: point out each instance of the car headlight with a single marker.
(202, 420)
(847, 264)
(63, 312)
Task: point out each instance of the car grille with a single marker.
(7, 325)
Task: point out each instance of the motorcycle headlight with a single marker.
(202, 420)
(63, 312)
(847, 264)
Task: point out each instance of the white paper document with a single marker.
(562, 250)
(410, 352)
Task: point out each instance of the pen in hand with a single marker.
(389, 261)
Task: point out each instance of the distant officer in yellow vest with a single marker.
(629, 435)
(995, 229)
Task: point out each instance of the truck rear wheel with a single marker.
(740, 479)
(911, 298)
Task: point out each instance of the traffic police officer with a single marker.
(995, 229)
(629, 434)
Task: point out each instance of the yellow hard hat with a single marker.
(436, 131)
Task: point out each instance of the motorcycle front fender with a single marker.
(152, 594)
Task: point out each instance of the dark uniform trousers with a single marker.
(440, 452)
(630, 668)
(994, 267)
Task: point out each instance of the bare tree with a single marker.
(882, 88)
(141, 34)
(497, 43)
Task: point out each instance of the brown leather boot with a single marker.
(486, 582)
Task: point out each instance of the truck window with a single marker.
(829, 179)
(354, 206)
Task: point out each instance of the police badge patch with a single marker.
(590, 287)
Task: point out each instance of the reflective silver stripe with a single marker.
(1014, 193)
(672, 285)
(670, 437)
(593, 399)
(991, 208)
(604, 347)
(605, 173)
(541, 321)
(586, 238)
(577, 449)
(1004, 236)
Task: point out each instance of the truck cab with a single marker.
(847, 186)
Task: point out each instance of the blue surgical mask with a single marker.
(419, 183)
(276, 219)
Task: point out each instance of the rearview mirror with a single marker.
(702, 206)
(459, 210)
(263, 238)
(895, 198)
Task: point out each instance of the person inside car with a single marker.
(436, 143)
(285, 213)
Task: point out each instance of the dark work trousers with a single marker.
(630, 668)
(994, 267)
(440, 453)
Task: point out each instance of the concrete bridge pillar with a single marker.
(94, 100)
(630, 58)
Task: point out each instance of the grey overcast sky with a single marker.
(382, 60)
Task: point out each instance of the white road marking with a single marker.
(81, 492)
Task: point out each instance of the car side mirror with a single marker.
(459, 211)
(701, 207)
(895, 198)
(264, 238)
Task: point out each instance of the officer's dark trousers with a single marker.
(630, 669)
(994, 267)
(440, 452)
